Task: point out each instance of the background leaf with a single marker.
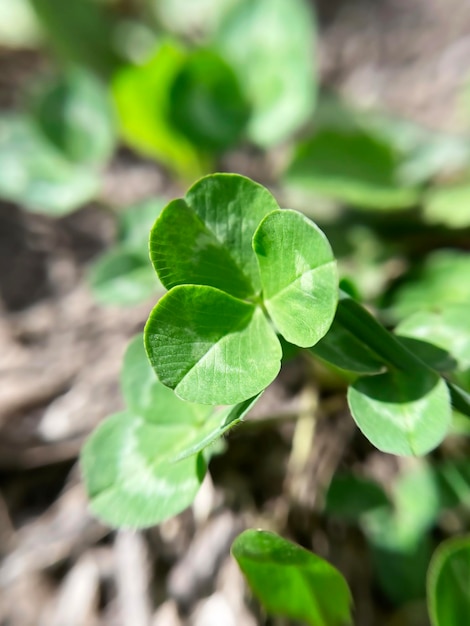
(142, 97)
(288, 580)
(145, 465)
(124, 274)
(448, 205)
(186, 17)
(34, 174)
(298, 274)
(399, 535)
(269, 43)
(448, 329)
(442, 280)
(207, 103)
(351, 497)
(76, 116)
(83, 33)
(191, 427)
(448, 583)
(26, 31)
(352, 166)
(123, 278)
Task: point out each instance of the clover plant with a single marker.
(245, 278)
(242, 274)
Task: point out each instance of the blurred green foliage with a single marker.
(188, 82)
(123, 275)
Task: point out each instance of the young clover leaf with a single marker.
(290, 581)
(230, 257)
(146, 464)
(206, 237)
(402, 412)
(298, 270)
(402, 406)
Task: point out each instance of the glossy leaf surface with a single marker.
(401, 413)
(448, 586)
(269, 43)
(210, 347)
(362, 325)
(290, 581)
(298, 274)
(206, 238)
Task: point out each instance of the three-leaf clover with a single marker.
(239, 271)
